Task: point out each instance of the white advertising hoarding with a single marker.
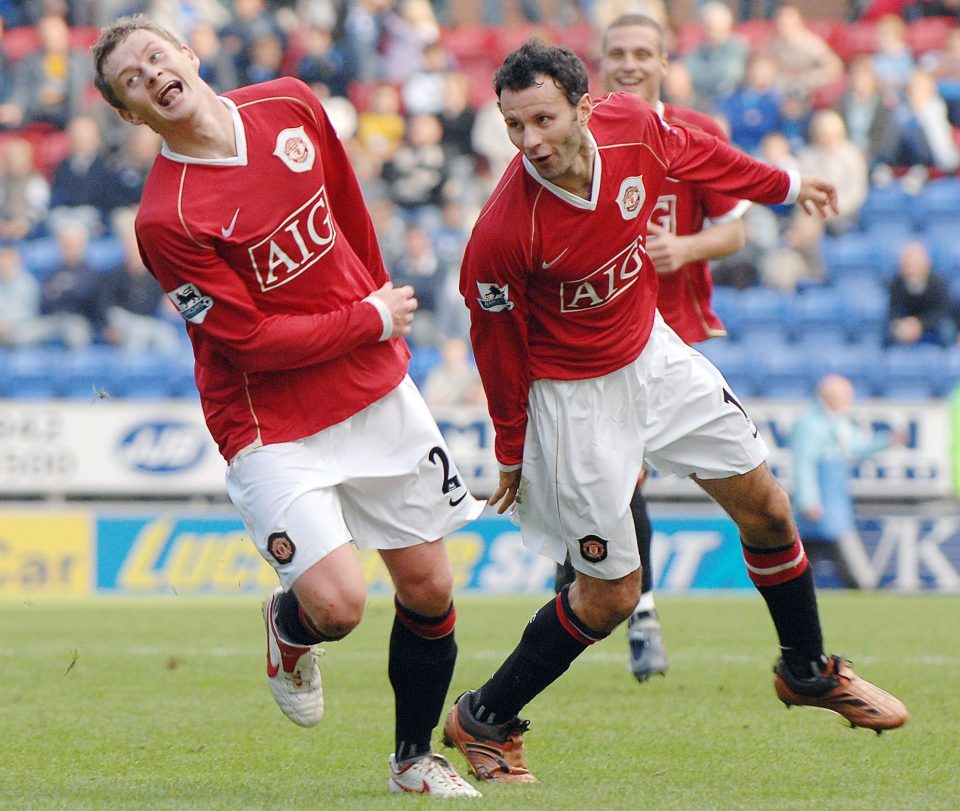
(162, 448)
(148, 448)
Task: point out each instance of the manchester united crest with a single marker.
(281, 548)
(593, 548)
(295, 149)
(631, 197)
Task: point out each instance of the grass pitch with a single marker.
(161, 704)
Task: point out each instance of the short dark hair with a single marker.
(626, 20)
(112, 36)
(520, 68)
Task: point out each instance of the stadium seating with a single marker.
(913, 372)
(88, 372)
(938, 203)
(887, 206)
(34, 373)
(778, 343)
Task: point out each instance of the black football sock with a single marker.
(553, 638)
(295, 627)
(641, 522)
(565, 575)
(423, 653)
(785, 580)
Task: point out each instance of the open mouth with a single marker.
(170, 91)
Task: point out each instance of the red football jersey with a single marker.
(268, 256)
(560, 287)
(685, 298)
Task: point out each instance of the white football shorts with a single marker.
(587, 441)
(382, 479)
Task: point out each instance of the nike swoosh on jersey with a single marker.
(228, 232)
(548, 265)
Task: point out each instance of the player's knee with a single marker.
(334, 616)
(771, 523)
(604, 604)
(428, 591)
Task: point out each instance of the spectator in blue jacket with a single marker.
(825, 442)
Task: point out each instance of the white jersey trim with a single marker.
(563, 194)
(735, 213)
(239, 133)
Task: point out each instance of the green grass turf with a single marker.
(160, 704)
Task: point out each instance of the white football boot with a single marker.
(431, 774)
(292, 672)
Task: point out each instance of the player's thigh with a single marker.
(422, 576)
(292, 527)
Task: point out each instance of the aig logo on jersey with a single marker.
(631, 197)
(295, 149)
(190, 303)
(604, 284)
(297, 243)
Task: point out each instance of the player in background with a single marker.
(690, 225)
(585, 384)
(253, 222)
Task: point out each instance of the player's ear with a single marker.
(584, 109)
(191, 55)
(129, 117)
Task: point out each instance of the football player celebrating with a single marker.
(586, 383)
(690, 224)
(253, 222)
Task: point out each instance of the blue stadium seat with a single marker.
(818, 338)
(764, 334)
(862, 364)
(783, 371)
(821, 309)
(143, 375)
(35, 373)
(938, 203)
(182, 380)
(917, 371)
(422, 360)
(40, 256)
(888, 245)
(887, 206)
(89, 371)
(941, 241)
(866, 306)
(853, 252)
(726, 304)
(105, 253)
(771, 308)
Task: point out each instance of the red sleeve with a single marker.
(714, 204)
(250, 339)
(701, 158)
(493, 284)
(346, 199)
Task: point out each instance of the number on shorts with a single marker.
(450, 483)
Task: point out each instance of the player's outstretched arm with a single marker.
(817, 195)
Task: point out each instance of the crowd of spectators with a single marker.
(869, 101)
